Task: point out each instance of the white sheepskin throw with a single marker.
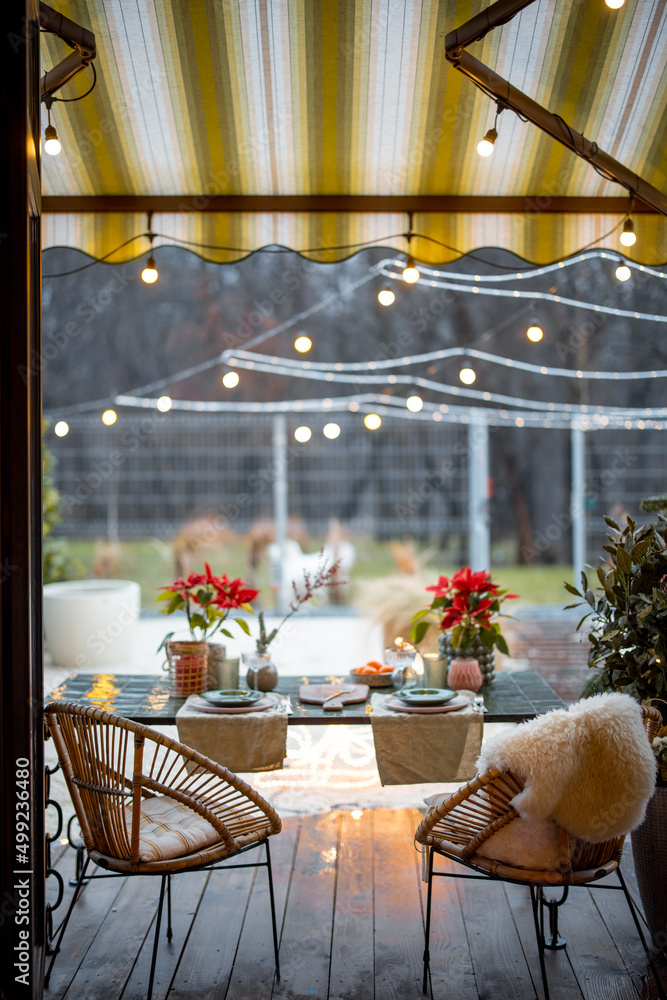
(590, 767)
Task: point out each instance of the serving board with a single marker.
(317, 694)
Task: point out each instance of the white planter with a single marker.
(91, 623)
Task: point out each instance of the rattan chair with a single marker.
(148, 805)
(459, 826)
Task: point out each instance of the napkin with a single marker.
(250, 741)
(411, 749)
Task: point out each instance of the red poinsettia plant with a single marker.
(208, 601)
(466, 605)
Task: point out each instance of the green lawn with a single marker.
(150, 562)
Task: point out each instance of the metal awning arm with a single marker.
(80, 39)
(508, 96)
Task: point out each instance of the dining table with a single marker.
(512, 696)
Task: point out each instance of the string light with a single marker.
(303, 344)
(410, 273)
(164, 404)
(485, 145)
(372, 421)
(467, 376)
(150, 272)
(614, 4)
(623, 272)
(230, 380)
(414, 403)
(51, 141)
(386, 296)
(331, 431)
(628, 237)
(109, 417)
(540, 296)
(534, 333)
(61, 429)
(303, 434)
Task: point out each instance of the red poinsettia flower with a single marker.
(233, 593)
(441, 588)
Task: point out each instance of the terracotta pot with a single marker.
(464, 673)
(485, 657)
(649, 850)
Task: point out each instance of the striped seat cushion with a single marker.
(170, 830)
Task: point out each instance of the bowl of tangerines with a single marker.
(373, 673)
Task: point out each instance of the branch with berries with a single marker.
(325, 576)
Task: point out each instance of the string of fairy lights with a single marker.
(389, 372)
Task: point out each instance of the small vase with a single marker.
(464, 674)
(217, 655)
(484, 656)
(261, 672)
(187, 666)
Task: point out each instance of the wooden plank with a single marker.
(306, 939)
(452, 975)
(90, 910)
(399, 928)
(613, 909)
(593, 955)
(187, 890)
(351, 975)
(562, 981)
(253, 973)
(108, 963)
(207, 958)
(498, 960)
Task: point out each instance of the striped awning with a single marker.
(212, 98)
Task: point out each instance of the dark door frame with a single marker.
(21, 667)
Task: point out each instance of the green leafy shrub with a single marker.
(628, 635)
(58, 564)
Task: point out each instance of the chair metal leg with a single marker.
(554, 942)
(80, 881)
(170, 933)
(427, 928)
(156, 940)
(641, 933)
(539, 934)
(273, 908)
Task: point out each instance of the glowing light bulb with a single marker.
(331, 431)
(372, 421)
(303, 344)
(149, 273)
(303, 434)
(61, 429)
(164, 404)
(614, 4)
(485, 145)
(410, 272)
(467, 376)
(109, 417)
(386, 296)
(534, 333)
(414, 403)
(623, 272)
(51, 141)
(230, 380)
(628, 236)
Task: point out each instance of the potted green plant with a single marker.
(628, 652)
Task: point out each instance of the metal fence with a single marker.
(151, 472)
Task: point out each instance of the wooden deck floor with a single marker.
(350, 909)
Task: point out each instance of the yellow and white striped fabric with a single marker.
(279, 97)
